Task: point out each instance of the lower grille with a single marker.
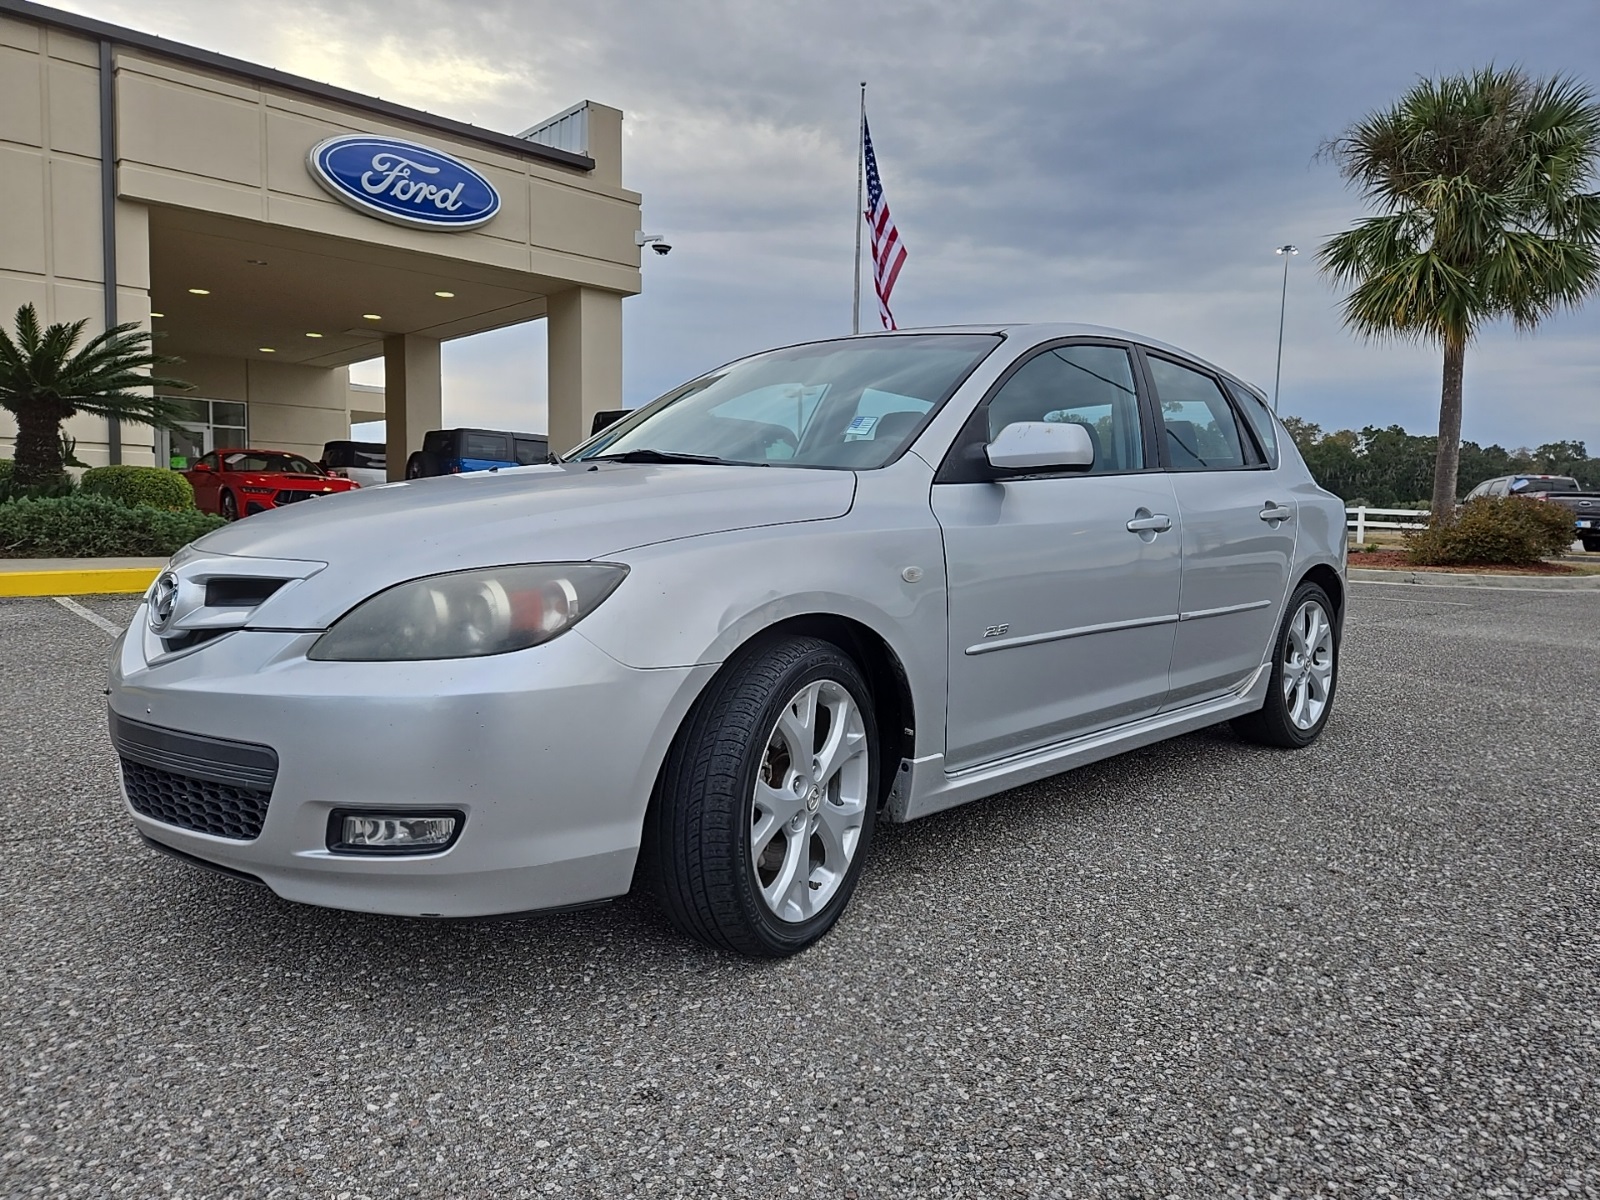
(290, 496)
(219, 809)
(209, 785)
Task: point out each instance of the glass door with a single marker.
(185, 444)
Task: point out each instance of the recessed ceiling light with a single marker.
(313, 335)
(371, 317)
(266, 349)
(445, 295)
(156, 314)
(199, 291)
(256, 262)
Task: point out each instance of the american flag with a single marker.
(888, 252)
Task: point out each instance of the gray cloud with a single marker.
(1128, 164)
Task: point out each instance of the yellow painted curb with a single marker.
(97, 582)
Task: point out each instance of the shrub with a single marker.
(1501, 531)
(92, 526)
(63, 486)
(155, 487)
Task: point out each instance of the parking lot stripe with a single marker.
(95, 619)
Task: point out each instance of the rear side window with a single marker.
(531, 452)
(1259, 418)
(485, 445)
(1202, 432)
(437, 442)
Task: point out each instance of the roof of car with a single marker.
(1045, 331)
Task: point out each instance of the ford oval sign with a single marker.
(403, 182)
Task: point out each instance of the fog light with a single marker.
(392, 833)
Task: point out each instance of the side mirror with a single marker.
(1041, 446)
(200, 466)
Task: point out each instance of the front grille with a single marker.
(209, 785)
(219, 809)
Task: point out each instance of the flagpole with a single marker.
(861, 141)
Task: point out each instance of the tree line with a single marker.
(1390, 468)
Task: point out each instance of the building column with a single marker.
(585, 334)
(413, 396)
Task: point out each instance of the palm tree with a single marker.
(1479, 183)
(43, 382)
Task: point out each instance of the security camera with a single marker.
(655, 241)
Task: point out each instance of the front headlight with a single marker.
(469, 613)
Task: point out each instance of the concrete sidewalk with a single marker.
(77, 576)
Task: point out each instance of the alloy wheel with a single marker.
(810, 801)
(1308, 665)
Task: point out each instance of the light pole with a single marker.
(1286, 252)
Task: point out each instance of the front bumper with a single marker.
(551, 754)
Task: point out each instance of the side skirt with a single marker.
(925, 787)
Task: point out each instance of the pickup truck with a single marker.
(1557, 489)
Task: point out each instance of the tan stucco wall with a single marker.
(50, 249)
(194, 138)
(202, 140)
(290, 407)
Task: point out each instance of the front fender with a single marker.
(695, 601)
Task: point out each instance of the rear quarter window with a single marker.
(486, 446)
(1260, 419)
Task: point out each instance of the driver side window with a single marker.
(1091, 386)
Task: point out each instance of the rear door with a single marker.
(1062, 586)
(1239, 531)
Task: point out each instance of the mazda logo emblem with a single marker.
(163, 599)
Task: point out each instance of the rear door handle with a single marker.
(1159, 523)
(1275, 512)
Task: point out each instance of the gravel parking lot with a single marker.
(1202, 969)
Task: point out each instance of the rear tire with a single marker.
(767, 801)
(416, 466)
(1305, 675)
(1592, 545)
(229, 506)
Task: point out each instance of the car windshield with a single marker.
(285, 464)
(845, 404)
(1547, 483)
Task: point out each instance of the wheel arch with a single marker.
(1330, 581)
(893, 703)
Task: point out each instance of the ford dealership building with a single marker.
(274, 230)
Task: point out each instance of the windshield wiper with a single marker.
(658, 456)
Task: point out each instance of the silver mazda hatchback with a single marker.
(829, 585)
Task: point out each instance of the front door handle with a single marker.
(1275, 512)
(1154, 523)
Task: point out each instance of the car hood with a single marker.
(372, 538)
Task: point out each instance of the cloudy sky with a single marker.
(1130, 164)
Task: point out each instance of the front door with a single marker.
(1238, 535)
(1061, 616)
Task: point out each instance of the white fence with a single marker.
(1360, 519)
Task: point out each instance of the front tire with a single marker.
(767, 802)
(416, 466)
(1592, 545)
(229, 506)
(1305, 675)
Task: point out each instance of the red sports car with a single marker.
(236, 483)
